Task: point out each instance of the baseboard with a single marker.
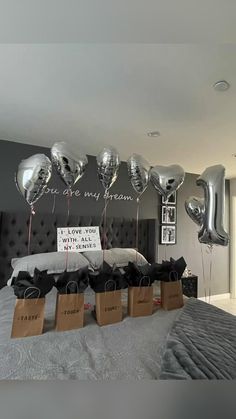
(215, 297)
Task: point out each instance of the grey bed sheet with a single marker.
(201, 344)
(131, 349)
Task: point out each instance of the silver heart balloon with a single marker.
(195, 208)
(32, 177)
(108, 162)
(167, 179)
(69, 163)
(139, 172)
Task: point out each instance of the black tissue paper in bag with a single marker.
(37, 286)
(138, 275)
(172, 270)
(179, 266)
(107, 278)
(73, 282)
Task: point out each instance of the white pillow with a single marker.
(54, 262)
(117, 256)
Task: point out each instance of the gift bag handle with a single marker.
(32, 288)
(143, 277)
(72, 282)
(110, 280)
(140, 286)
(175, 276)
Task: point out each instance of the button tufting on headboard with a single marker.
(14, 235)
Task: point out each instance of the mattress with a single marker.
(131, 349)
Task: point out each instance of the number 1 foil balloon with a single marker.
(69, 163)
(167, 179)
(139, 173)
(212, 181)
(32, 177)
(108, 162)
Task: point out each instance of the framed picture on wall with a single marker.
(168, 234)
(168, 214)
(171, 200)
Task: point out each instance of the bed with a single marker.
(130, 349)
(195, 342)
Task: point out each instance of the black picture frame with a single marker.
(172, 200)
(168, 234)
(168, 214)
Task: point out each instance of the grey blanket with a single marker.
(201, 344)
(130, 349)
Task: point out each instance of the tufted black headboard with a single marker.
(14, 235)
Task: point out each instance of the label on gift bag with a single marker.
(69, 312)
(171, 295)
(108, 307)
(28, 317)
(140, 301)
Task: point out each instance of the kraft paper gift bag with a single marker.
(108, 306)
(140, 290)
(70, 300)
(172, 293)
(28, 318)
(69, 312)
(140, 301)
(107, 283)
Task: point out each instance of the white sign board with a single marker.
(78, 239)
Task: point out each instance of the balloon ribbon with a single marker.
(54, 204)
(32, 212)
(68, 217)
(104, 216)
(137, 227)
(209, 251)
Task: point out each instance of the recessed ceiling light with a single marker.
(153, 134)
(221, 86)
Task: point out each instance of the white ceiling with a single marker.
(93, 95)
(158, 21)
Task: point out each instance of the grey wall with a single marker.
(187, 242)
(189, 246)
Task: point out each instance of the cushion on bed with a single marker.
(54, 263)
(117, 256)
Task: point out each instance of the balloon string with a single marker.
(54, 204)
(104, 215)
(165, 252)
(203, 274)
(137, 227)
(68, 216)
(68, 204)
(211, 260)
(165, 203)
(105, 207)
(30, 228)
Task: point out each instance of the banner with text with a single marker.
(78, 239)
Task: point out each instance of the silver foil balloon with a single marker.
(108, 162)
(195, 208)
(167, 179)
(69, 164)
(32, 177)
(139, 172)
(212, 181)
